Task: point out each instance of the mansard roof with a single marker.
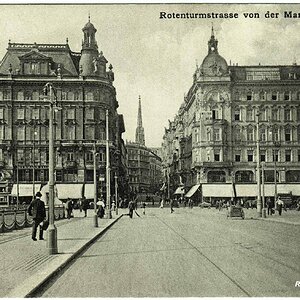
(58, 53)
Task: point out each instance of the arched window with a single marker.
(250, 134)
(293, 176)
(20, 95)
(249, 114)
(216, 176)
(244, 176)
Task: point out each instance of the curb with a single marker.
(34, 284)
(280, 221)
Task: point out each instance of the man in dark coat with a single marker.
(131, 208)
(85, 205)
(37, 210)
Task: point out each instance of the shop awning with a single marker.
(45, 194)
(250, 190)
(25, 189)
(287, 188)
(72, 191)
(89, 191)
(217, 190)
(179, 190)
(192, 191)
(246, 190)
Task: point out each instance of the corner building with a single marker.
(216, 132)
(84, 90)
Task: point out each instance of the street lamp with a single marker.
(95, 186)
(108, 208)
(33, 158)
(276, 144)
(116, 193)
(263, 189)
(258, 203)
(52, 231)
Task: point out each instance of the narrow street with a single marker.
(190, 253)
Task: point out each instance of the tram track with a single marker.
(207, 258)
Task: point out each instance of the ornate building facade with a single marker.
(228, 111)
(84, 90)
(144, 165)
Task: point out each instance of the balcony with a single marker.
(213, 164)
(70, 164)
(215, 122)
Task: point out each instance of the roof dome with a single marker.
(89, 26)
(214, 65)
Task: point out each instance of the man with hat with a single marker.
(37, 210)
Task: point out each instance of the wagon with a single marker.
(235, 212)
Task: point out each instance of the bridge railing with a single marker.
(12, 218)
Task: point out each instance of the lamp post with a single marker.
(116, 193)
(33, 158)
(263, 189)
(52, 231)
(18, 189)
(258, 203)
(95, 186)
(276, 144)
(108, 208)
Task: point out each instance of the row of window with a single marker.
(68, 114)
(278, 156)
(265, 114)
(67, 175)
(30, 133)
(42, 156)
(275, 134)
(62, 95)
(268, 96)
(248, 176)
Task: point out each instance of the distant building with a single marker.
(212, 141)
(84, 91)
(144, 165)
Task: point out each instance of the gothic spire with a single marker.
(139, 133)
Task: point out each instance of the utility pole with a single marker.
(33, 159)
(116, 193)
(52, 231)
(108, 207)
(95, 186)
(263, 189)
(258, 203)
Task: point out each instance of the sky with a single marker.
(156, 58)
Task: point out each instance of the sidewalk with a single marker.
(25, 264)
(291, 217)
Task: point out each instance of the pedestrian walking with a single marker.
(172, 205)
(152, 201)
(100, 208)
(131, 208)
(269, 206)
(37, 210)
(69, 207)
(280, 205)
(161, 203)
(144, 208)
(85, 206)
(80, 205)
(113, 206)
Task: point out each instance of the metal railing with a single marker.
(13, 219)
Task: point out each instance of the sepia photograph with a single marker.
(149, 150)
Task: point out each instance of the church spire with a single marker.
(213, 42)
(139, 133)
